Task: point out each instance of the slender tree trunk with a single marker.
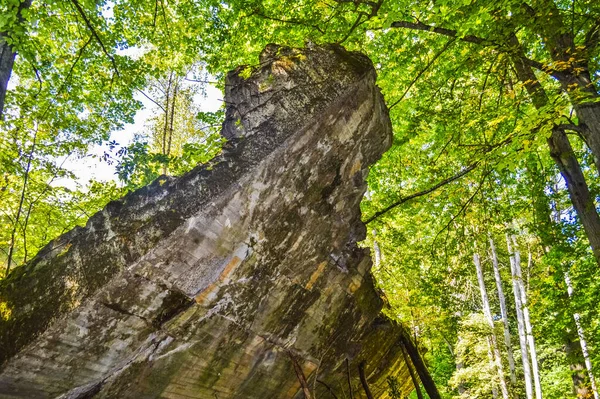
(376, 249)
(521, 325)
(413, 377)
(493, 366)
(348, 376)
(172, 116)
(459, 365)
(503, 313)
(582, 341)
(422, 370)
(300, 376)
(488, 316)
(7, 57)
(528, 328)
(363, 380)
(168, 99)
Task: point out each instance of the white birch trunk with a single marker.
(493, 364)
(503, 313)
(376, 249)
(582, 340)
(528, 328)
(521, 326)
(488, 316)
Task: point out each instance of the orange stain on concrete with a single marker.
(316, 274)
(233, 263)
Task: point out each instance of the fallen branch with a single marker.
(301, 377)
(328, 388)
(363, 380)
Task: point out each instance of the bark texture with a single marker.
(562, 153)
(496, 355)
(503, 313)
(520, 324)
(201, 286)
(7, 57)
(518, 277)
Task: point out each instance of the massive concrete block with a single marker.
(207, 285)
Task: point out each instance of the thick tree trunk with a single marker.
(585, 101)
(7, 58)
(520, 325)
(583, 201)
(528, 328)
(503, 313)
(582, 341)
(562, 154)
(422, 370)
(488, 316)
(574, 356)
(572, 67)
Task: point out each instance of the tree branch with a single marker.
(424, 192)
(470, 39)
(441, 31)
(363, 380)
(95, 34)
(328, 388)
(301, 377)
(421, 72)
(286, 21)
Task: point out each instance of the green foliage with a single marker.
(469, 148)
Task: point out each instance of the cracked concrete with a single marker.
(200, 286)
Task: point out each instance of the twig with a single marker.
(422, 71)
(95, 34)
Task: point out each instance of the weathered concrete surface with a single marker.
(201, 286)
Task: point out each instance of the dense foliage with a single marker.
(496, 122)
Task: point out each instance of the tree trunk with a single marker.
(562, 154)
(584, 97)
(493, 365)
(583, 201)
(363, 380)
(573, 353)
(582, 340)
(413, 377)
(488, 316)
(503, 313)
(521, 325)
(528, 328)
(424, 375)
(300, 376)
(7, 57)
(573, 71)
